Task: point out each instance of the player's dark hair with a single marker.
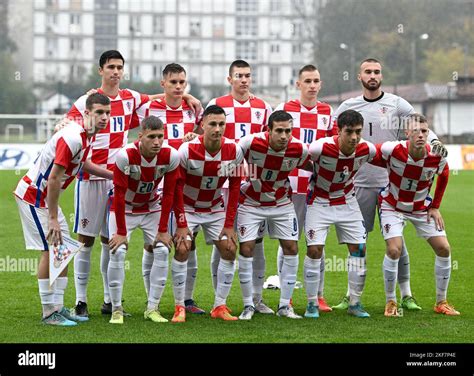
(349, 118)
(417, 117)
(152, 123)
(307, 68)
(97, 98)
(110, 54)
(370, 60)
(173, 68)
(213, 110)
(279, 116)
(238, 64)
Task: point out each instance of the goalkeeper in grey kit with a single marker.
(384, 115)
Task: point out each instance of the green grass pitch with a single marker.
(20, 305)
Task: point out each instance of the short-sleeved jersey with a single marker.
(177, 121)
(114, 136)
(141, 177)
(309, 124)
(244, 118)
(68, 148)
(270, 186)
(206, 173)
(332, 182)
(410, 180)
(382, 117)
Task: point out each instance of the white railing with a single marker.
(43, 125)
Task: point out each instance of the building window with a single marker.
(156, 72)
(75, 19)
(274, 76)
(76, 4)
(296, 30)
(274, 48)
(51, 47)
(75, 45)
(218, 27)
(195, 28)
(105, 4)
(158, 25)
(218, 51)
(194, 53)
(275, 6)
(247, 26)
(246, 5)
(105, 24)
(297, 49)
(104, 44)
(135, 24)
(246, 50)
(158, 47)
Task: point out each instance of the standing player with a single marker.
(37, 196)
(178, 119)
(411, 169)
(265, 198)
(139, 168)
(312, 120)
(331, 200)
(205, 164)
(244, 116)
(382, 114)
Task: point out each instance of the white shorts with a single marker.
(262, 230)
(90, 205)
(211, 224)
(35, 223)
(346, 218)
(368, 201)
(147, 222)
(299, 202)
(393, 222)
(281, 222)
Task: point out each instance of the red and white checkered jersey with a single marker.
(270, 186)
(309, 124)
(68, 148)
(206, 173)
(332, 182)
(110, 140)
(141, 177)
(243, 118)
(177, 121)
(410, 180)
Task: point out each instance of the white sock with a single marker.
(82, 267)
(311, 272)
(59, 288)
(158, 276)
(116, 276)
(178, 274)
(258, 274)
(245, 277)
(215, 258)
(357, 274)
(147, 263)
(279, 261)
(191, 275)
(104, 266)
(404, 272)
(390, 270)
(46, 297)
(225, 275)
(443, 274)
(288, 279)
(322, 268)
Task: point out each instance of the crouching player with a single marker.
(37, 196)
(411, 167)
(205, 165)
(139, 168)
(331, 200)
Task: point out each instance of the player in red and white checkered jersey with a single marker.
(266, 198)
(331, 200)
(137, 203)
(245, 115)
(411, 168)
(178, 119)
(205, 164)
(37, 196)
(312, 120)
